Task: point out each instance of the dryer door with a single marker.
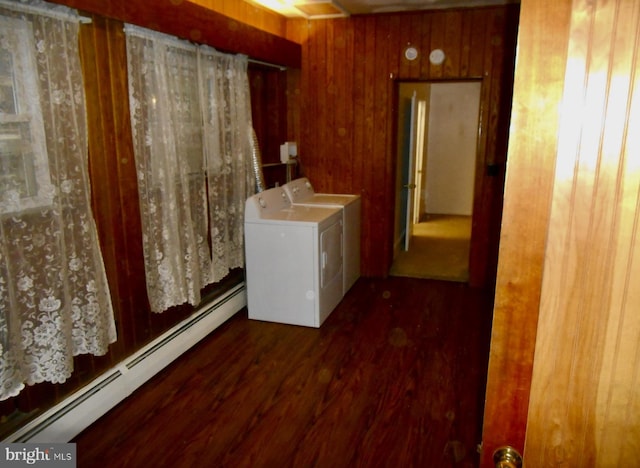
(331, 277)
(331, 254)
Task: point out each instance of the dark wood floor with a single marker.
(395, 377)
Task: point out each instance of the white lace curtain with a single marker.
(190, 115)
(54, 297)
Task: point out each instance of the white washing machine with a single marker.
(301, 192)
(293, 261)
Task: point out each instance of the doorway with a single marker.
(437, 130)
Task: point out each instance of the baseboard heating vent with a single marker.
(78, 411)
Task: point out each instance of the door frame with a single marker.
(485, 216)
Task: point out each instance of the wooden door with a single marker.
(564, 368)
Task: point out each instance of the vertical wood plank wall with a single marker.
(350, 69)
(116, 209)
(340, 107)
(585, 394)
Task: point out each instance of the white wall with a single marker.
(451, 148)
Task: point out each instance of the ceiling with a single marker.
(318, 9)
(355, 7)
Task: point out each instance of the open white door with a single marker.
(411, 186)
(418, 170)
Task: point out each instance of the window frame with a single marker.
(22, 128)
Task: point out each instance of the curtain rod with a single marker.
(267, 64)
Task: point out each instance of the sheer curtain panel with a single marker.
(227, 126)
(166, 124)
(190, 111)
(54, 297)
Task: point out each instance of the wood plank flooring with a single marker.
(394, 377)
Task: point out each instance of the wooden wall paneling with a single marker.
(437, 41)
(383, 200)
(344, 111)
(294, 114)
(269, 115)
(465, 43)
(379, 42)
(275, 112)
(366, 129)
(485, 184)
(109, 143)
(453, 39)
(256, 88)
(115, 194)
(308, 152)
(479, 26)
(9, 411)
(331, 170)
(196, 23)
(316, 153)
(277, 86)
(413, 31)
(94, 59)
(401, 67)
(307, 104)
(478, 252)
(133, 263)
(36, 397)
(425, 46)
(334, 168)
(358, 103)
(92, 38)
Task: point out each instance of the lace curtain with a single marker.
(227, 128)
(54, 297)
(190, 114)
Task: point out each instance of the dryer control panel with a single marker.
(267, 202)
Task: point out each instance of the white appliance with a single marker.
(293, 261)
(301, 192)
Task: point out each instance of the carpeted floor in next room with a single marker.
(439, 249)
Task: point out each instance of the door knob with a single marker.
(507, 457)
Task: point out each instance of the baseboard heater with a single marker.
(78, 411)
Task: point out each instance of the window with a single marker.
(25, 181)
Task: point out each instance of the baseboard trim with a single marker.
(75, 413)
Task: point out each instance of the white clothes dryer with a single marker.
(301, 192)
(293, 264)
